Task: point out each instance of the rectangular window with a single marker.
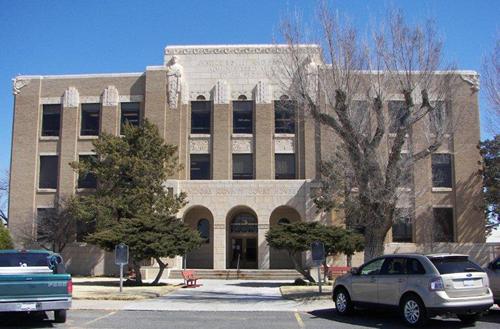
(443, 225)
(87, 180)
(439, 118)
(200, 166)
(243, 117)
(284, 117)
(131, 114)
(90, 120)
(51, 119)
(83, 229)
(43, 225)
(242, 166)
(285, 166)
(48, 171)
(402, 227)
(441, 170)
(201, 117)
(396, 115)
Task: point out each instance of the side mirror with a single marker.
(355, 271)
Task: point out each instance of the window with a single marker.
(243, 117)
(83, 229)
(439, 118)
(413, 266)
(284, 116)
(244, 223)
(283, 221)
(43, 226)
(285, 166)
(90, 120)
(201, 117)
(48, 171)
(242, 166)
(200, 166)
(443, 225)
(402, 226)
(441, 170)
(204, 229)
(51, 119)
(87, 180)
(455, 264)
(130, 114)
(396, 115)
(372, 268)
(393, 266)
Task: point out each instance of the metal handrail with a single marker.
(238, 267)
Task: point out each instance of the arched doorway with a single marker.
(283, 215)
(199, 218)
(242, 232)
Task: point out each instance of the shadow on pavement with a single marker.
(23, 320)
(257, 284)
(389, 320)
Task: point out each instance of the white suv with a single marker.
(418, 286)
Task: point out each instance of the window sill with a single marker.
(236, 136)
(442, 189)
(195, 136)
(49, 138)
(279, 135)
(85, 189)
(46, 190)
(88, 137)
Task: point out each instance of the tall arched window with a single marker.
(244, 223)
(204, 229)
(283, 221)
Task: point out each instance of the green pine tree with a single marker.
(5, 238)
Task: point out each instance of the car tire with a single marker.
(60, 316)
(413, 311)
(343, 303)
(469, 319)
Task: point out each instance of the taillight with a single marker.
(70, 287)
(436, 284)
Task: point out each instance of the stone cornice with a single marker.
(234, 49)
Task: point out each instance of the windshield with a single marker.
(23, 259)
(455, 264)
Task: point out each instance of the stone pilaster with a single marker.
(264, 253)
(264, 141)
(219, 242)
(110, 112)
(156, 98)
(221, 141)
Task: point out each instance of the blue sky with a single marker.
(96, 36)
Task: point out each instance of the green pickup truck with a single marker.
(34, 281)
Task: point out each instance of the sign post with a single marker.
(318, 257)
(121, 258)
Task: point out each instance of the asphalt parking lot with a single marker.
(318, 319)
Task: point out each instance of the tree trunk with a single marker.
(374, 243)
(301, 269)
(349, 260)
(160, 272)
(137, 269)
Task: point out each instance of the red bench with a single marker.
(190, 278)
(337, 270)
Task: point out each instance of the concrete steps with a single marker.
(150, 273)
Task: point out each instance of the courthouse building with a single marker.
(249, 161)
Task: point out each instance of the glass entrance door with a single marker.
(244, 251)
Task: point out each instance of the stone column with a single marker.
(264, 141)
(219, 242)
(67, 142)
(110, 112)
(156, 97)
(263, 255)
(221, 141)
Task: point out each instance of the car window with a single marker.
(413, 266)
(372, 268)
(23, 259)
(496, 264)
(455, 264)
(393, 266)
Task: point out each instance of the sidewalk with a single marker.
(215, 295)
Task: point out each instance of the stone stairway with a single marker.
(150, 273)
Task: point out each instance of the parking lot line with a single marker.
(100, 318)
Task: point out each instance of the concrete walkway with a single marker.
(215, 295)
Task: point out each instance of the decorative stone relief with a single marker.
(185, 93)
(237, 93)
(284, 144)
(472, 80)
(312, 77)
(174, 81)
(110, 96)
(199, 145)
(221, 93)
(263, 93)
(71, 97)
(18, 84)
(235, 50)
(261, 188)
(242, 144)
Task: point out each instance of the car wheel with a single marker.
(469, 318)
(413, 311)
(60, 316)
(343, 304)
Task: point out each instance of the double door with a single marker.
(244, 252)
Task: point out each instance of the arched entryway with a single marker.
(201, 219)
(242, 230)
(283, 215)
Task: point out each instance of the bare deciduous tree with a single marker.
(491, 83)
(345, 88)
(4, 195)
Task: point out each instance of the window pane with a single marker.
(284, 117)
(396, 113)
(48, 171)
(87, 180)
(402, 226)
(200, 117)
(51, 119)
(200, 166)
(90, 120)
(242, 166)
(443, 225)
(243, 117)
(413, 266)
(285, 166)
(372, 268)
(394, 266)
(455, 264)
(204, 229)
(130, 113)
(441, 170)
